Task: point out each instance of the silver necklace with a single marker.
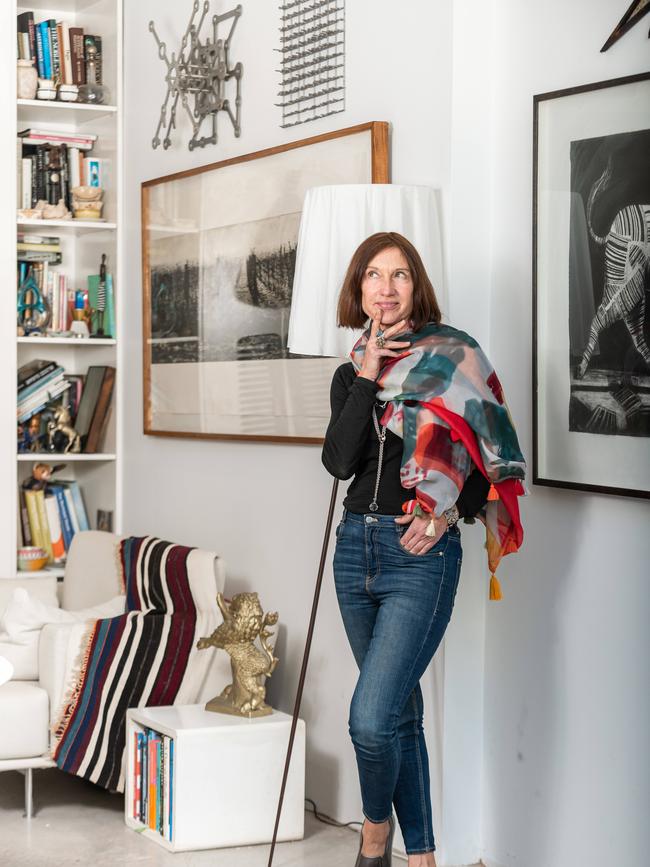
(381, 436)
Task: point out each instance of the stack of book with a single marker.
(50, 519)
(38, 248)
(39, 382)
(60, 51)
(153, 781)
(51, 163)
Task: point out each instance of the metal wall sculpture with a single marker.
(312, 59)
(198, 77)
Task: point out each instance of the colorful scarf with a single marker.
(447, 404)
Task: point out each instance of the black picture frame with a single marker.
(591, 410)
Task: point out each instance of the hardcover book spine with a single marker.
(66, 525)
(77, 53)
(34, 522)
(61, 49)
(40, 60)
(47, 54)
(45, 528)
(56, 534)
(56, 54)
(24, 519)
(67, 56)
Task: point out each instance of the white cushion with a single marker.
(23, 657)
(24, 615)
(24, 718)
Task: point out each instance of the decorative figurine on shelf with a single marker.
(43, 210)
(61, 435)
(40, 477)
(33, 310)
(80, 316)
(87, 202)
(243, 621)
(32, 434)
(92, 91)
(101, 299)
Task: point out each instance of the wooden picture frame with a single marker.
(218, 250)
(591, 361)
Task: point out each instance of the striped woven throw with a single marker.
(144, 658)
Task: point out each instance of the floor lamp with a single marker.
(335, 220)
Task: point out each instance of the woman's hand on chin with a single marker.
(373, 355)
(415, 539)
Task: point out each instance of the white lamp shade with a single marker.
(335, 220)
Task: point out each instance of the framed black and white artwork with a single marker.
(218, 256)
(591, 277)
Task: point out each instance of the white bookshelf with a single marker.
(226, 777)
(82, 243)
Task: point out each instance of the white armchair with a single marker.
(30, 701)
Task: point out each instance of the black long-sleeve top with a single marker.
(351, 448)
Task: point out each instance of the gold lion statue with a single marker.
(243, 621)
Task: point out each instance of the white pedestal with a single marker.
(227, 776)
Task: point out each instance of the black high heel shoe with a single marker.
(384, 860)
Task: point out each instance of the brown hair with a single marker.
(425, 306)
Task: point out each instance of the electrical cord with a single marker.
(328, 820)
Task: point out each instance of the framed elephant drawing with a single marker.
(591, 277)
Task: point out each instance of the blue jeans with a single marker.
(395, 608)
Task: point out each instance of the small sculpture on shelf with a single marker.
(243, 621)
(80, 325)
(40, 477)
(33, 309)
(43, 210)
(101, 300)
(61, 435)
(87, 202)
(29, 435)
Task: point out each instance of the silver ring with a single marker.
(380, 340)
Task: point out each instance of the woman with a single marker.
(396, 429)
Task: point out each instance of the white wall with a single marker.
(542, 759)
(566, 751)
(263, 506)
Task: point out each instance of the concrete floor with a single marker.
(78, 823)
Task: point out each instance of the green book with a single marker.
(109, 310)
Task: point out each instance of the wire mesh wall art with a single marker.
(199, 77)
(312, 64)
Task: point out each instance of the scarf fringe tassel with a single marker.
(495, 588)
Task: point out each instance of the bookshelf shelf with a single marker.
(41, 111)
(97, 475)
(55, 572)
(70, 225)
(53, 456)
(60, 5)
(69, 341)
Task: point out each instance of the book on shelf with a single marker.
(50, 164)
(42, 383)
(100, 416)
(33, 371)
(59, 50)
(50, 519)
(153, 781)
(26, 36)
(54, 527)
